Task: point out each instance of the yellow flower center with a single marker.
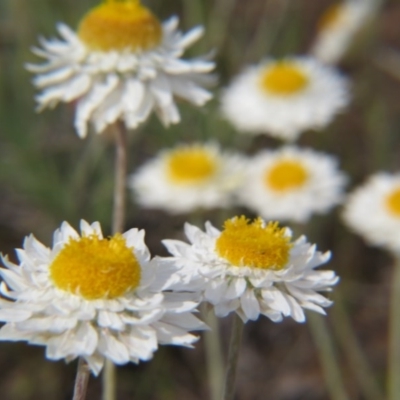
(283, 78)
(96, 268)
(286, 175)
(252, 244)
(393, 202)
(191, 165)
(120, 25)
(330, 17)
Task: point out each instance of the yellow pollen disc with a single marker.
(393, 202)
(330, 17)
(286, 175)
(191, 165)
(96, 268)
(120, 25)
(283, 78)
(251, 244)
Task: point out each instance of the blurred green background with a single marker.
(48, 174)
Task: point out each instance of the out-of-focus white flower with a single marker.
(121, 64)
(373, 211)
(94, 298)
(338, 27)
(188, 177)
(252, 268)
(282, 98)
(291, 184)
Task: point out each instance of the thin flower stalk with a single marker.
(120, 179)
(233, 357)
(327, 354)
(81, 381)
(119, 205)
(214, 360)
(355, 355)
(394, 336)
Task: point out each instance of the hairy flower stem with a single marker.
(394, 336)
(214, 360)
(109, 373)
(120, 179)
(233, 357)
(327, 354)
(81, 380)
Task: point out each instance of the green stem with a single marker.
(212, 343)
(355, 355)
(109, 373)
(267, 33)
(394, 336)
(326, 352)
(81, 380)
(218, 22)
(120, 179)
(109, 380)
(233, 357)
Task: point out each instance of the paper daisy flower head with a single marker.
(338, 26)
(253, 268)
(283, 98)
(291, 184)
(93, 297)
(122, 63)
(188, 177)
(373, 211)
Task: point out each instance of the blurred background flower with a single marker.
(291, 184)
(188, 178)
(373, 211)
(339, 26)
(285, 97)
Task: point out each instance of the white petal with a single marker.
(67, 33)
(250, 305)
(215, 290)
(53, 77)
(296, 311)
(14, 315)
(187, 321)
(224, 308)
(10, 333)
(92, 100)
(86, 338)
(109, 319)
(133, 95)
(14, 280)
(168, 334)
(113, 349)
(236, 288)
(191, 37)
(141, 344)
(95, 362)
(276, 300)
(161, 90)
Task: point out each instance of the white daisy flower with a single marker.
(291, 184)
(253, 268)
(186, 178)
(121, 64)
(373, 211)
(282, 98)
(93, 297)
(338, 27)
